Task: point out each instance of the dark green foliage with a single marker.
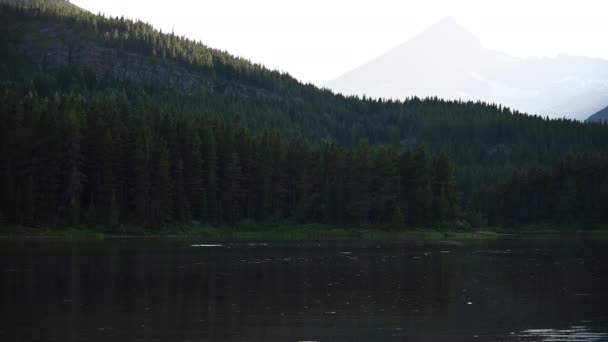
(423, 204)
(213, 212)
(303, 193)
(29, 202)
(233, 88)
(8, 194)
(182, 205)
(232, 189)
(194, 200)
(360, 184)
(79, 145)
(142, 165)
(162, 186)
(398, 221)
(444, 201)
(141, 186)
(570, 191)
(114, 211)
(163, 165)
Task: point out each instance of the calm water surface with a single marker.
(186, 290)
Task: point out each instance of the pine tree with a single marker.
(441, 205)
(90, 216)
(8, 195)
(74, 163)
(566, 201)
(114, 211)
(141, 161)
(182, 207)
(29, 202)
(265, 178)
(279, 183)
(386, 186)
(423, 205)
(304, 202)
(193, 176)
(359, 186)
(443, 189)
(213, 210)
(398, 221)
(232, 193)
(162, 190)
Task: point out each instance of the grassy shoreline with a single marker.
(295, 232)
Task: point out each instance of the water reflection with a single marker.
(175, 290)
(572, 334)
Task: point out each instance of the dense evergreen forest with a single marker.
(96, 130)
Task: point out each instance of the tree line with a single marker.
(82, 149)
(469, 132)
(68, 161)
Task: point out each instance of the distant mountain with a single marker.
(449, 62)
(108, 121)
(50, 50)
(602, 115)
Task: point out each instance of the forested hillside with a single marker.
(602, 115)
(106, 121)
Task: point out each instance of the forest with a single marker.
(81, 146)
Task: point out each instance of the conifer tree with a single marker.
(162, 190)
(8, 196)
(423, 205)
(74, 175)
(566, 201)
(304, 202)
(193, 175)
(213, 211)
(142, 180)
(114, 211)
(359, 186)
(29, 201)
(182, 207)
(232, 194)
(397, 221)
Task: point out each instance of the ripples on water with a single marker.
(573, 334)
(175, 290)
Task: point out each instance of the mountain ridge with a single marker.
(100, 126)
(600, 116)
(59, 3)
(56, 44)
(448, 61)
(78, 52)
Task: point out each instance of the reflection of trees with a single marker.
(151, 290)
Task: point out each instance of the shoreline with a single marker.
(311, 232)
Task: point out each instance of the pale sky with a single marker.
(318, 40)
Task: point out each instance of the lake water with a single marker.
(189, 290)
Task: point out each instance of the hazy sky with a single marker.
(318, 40)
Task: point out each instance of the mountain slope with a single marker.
(128, 51)
(64, 51)
(602, 115)
(106, 121)
(420, 67)
(448, 61)
(56, 3)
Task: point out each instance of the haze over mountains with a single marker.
(602, 115)
(108, 121)
(448, 61)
